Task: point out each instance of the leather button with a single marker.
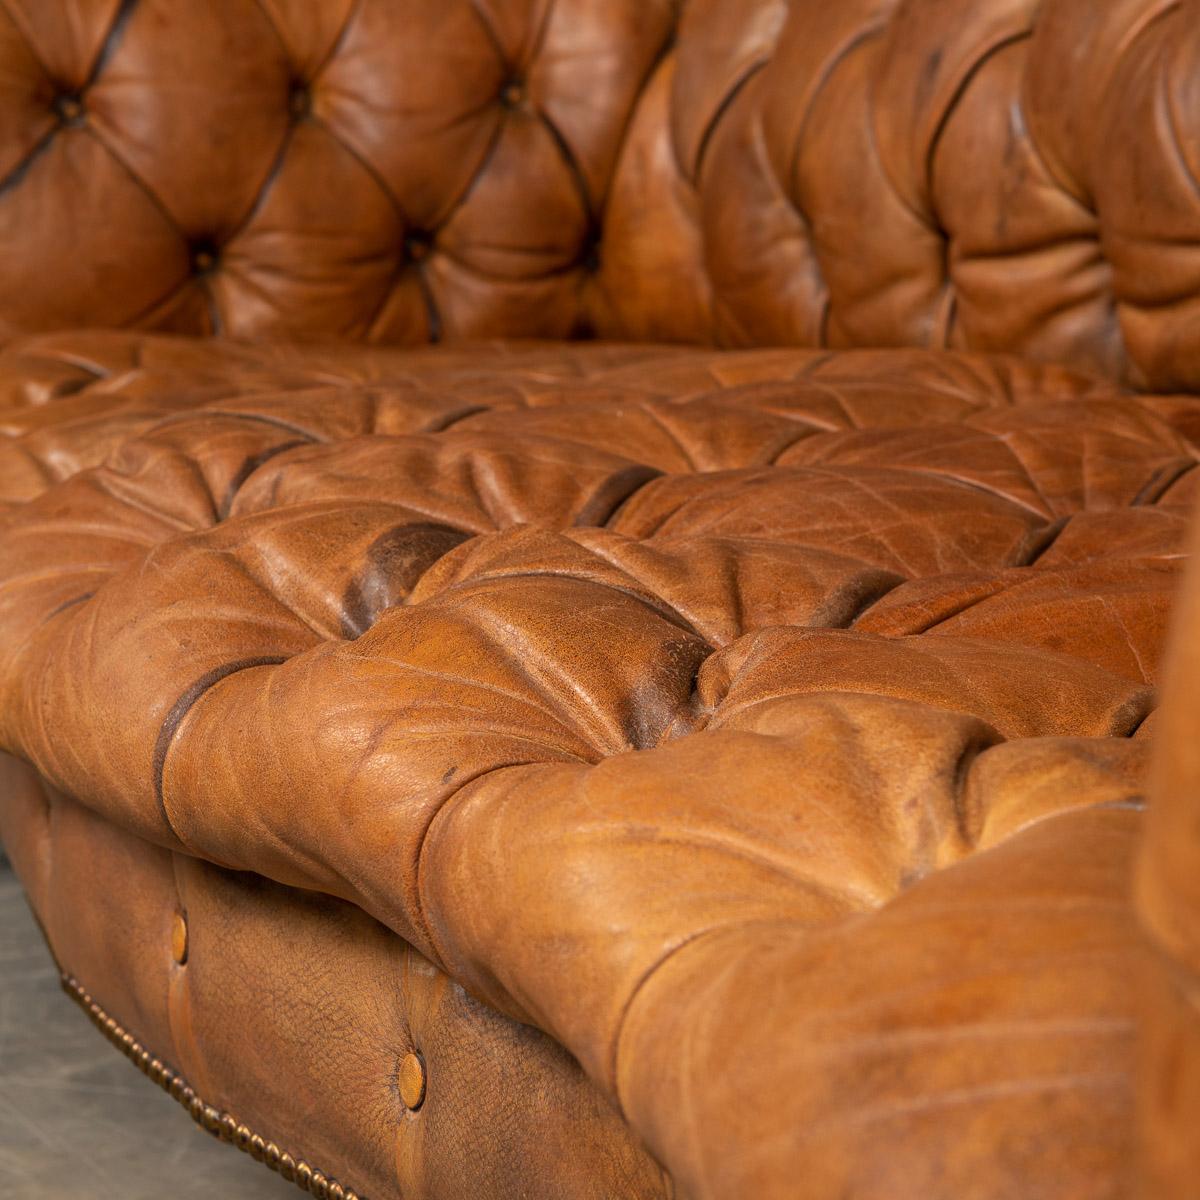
(179, 939)
(203, 260)
(69, 109)
(512, 95)
(411, 1079)
(417, 247)
(299, 100)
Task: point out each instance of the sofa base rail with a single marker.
(222, 1125)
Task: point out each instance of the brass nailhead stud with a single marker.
(179, 939)
(411, 1079)
(220, 1124)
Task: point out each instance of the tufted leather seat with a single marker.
(533, 766)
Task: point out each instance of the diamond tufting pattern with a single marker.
(687, 733)
(408, 172)
(830, 642)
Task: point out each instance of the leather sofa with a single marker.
(585, 584)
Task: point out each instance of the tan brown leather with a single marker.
(685, 772)
(1014, 175)
(765, 728)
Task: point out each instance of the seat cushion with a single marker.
(765, 728)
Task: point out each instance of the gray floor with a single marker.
(77, 1120)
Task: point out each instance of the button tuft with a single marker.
(204, 258)
(410, 1077)
(179, 939)
(69, 108)
(417, 247)
(512, 95)
(299, 100)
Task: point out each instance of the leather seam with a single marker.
(14, 177)
(180, 709)
(644, 980)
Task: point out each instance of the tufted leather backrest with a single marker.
(1013, 175)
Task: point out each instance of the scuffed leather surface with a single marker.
(767, 728)
(1016, 175)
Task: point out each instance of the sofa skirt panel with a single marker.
(299, 1029)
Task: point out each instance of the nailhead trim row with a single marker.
(222, 1125)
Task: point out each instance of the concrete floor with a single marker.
(77, 1120)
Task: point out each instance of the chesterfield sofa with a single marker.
(587, 586)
